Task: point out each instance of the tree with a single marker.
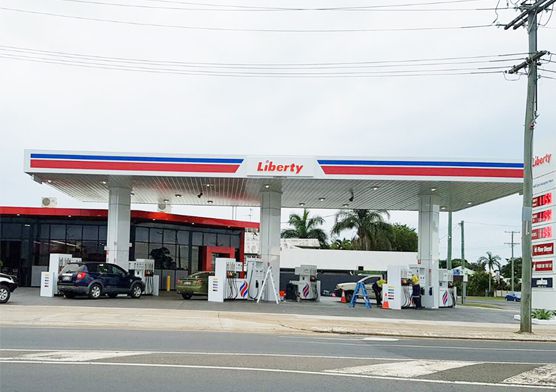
(455, 263)
(404, 238)
(305, 227)
(478, 283)
(343, 244)
(490, 261)
(373, 233)
(506, 271)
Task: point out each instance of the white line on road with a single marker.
(407, 369)
(305, 372)
(77, 356)
(360, 344)
(543, 375)
(243, 354)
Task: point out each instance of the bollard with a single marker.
(168, 282)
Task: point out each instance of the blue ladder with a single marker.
(360, 287)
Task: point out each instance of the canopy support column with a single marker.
(429, 214)
(269, 232)
(119, 222)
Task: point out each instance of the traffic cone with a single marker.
(343, 300)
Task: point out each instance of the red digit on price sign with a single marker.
(542, 200)
(541, 232)
(543, 216)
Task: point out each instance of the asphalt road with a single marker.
(327, 306)
(39, 359)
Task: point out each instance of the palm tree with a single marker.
(342, 244)
(305, 227)
(373, 233)
(490, 261)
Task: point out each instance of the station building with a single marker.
(179, 244)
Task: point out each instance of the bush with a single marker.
(478, 284)
(542, 314)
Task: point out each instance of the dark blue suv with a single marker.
(98, 279)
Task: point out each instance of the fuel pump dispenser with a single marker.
(49, 279)
(447, 292)
(397, 291)
(226, 282)
(307, 287)
(144, 268)
(255, 276)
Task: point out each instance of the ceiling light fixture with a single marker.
(374, 188)
(208, 185)
(103, 182)
(131, 194)
(177, 195)
(302, 204)
(166, 200)
(210, 201)
(345, 205)
(267, 186)
(49, 181)
(322, 198)
(433, 189)
(469, 203)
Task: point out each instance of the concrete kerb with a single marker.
(223, 321)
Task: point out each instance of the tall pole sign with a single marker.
(543, 233)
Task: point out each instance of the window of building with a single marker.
(169, 236)
(142, 234)
(210, 239)
(11, 230)
(90, 233)
(155, 235)
(197, 238)
(74, 232)
(57, 232)
(183, 237)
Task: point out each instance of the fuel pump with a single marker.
(49, 279)
(446, 294)
(144, 268)
(255, 276)
(307, 287)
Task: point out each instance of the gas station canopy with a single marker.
(311, 182)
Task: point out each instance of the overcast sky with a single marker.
(54, 106)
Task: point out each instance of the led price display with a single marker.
(543, 249)
(543, 216)
(542, 200)
(541, 232)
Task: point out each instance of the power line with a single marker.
(438, 2)
(236, 8)
(464, 60)
(249, 73)
(232, 29)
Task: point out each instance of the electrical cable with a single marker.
(502, 58)
(397, 73)
(232, 29)
(228, 8)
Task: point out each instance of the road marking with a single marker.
(407, 369)
(543, 375)
(377, 339)
(430, 347)
(242, 354)
(305, 372)
(76, 356)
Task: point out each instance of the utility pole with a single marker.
(512, 243)
(449, 255)
(463, 273)
(528, 16)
